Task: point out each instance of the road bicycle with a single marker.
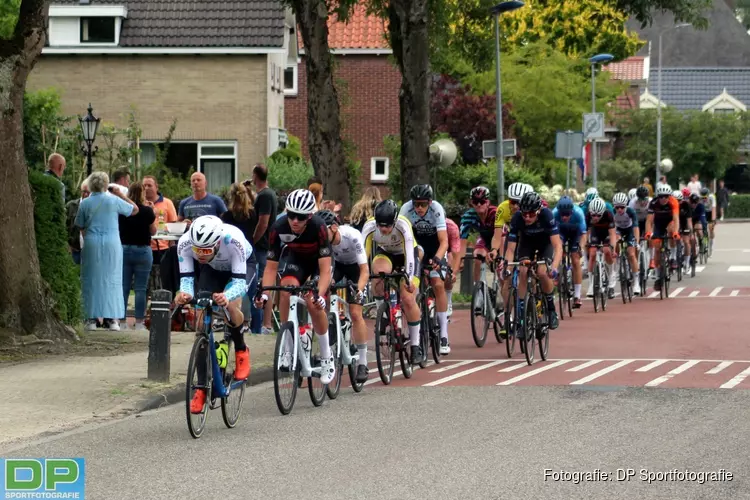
(665, 268)
(429, 337)
(625, 272)
(565, 290)
(643, 264)
(680, 259)
(484, 304)
(293, 354)
(703, 246)
(601, 278)
(219, 381)
(535, 318)
(390, 335)
(340, 332)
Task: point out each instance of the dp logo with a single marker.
(31, 478)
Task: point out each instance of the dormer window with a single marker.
(724, 103)
(97, 30)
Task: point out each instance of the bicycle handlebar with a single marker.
(395, 275)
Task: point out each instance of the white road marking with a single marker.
(669, 375)
(715, 291)
(716, 369)
(650, 366)
(653, 295)
(694, 293)
(534, 372)
(464, 373)
(601, 372)
(737, 379)
(584, 365)
(738, 269)
(699, 268)
(676, 291)
(450, 367)
(514, 367)
(734, 293)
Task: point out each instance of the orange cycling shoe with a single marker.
(198, 401)
(242, 364)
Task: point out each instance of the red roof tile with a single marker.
(361, 31)
(630, 69)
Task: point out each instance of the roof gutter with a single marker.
(83, 50)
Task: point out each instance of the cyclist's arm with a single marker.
(675, 213)
(364, 269)
(558, 250)
(713, 207)
(325, 261)
(612, 231)
(404, 227)
(272, 262)
(237, 286)
(465, 231)
(442, 230)
(703, 218)
(443, 244)
(367, 233)
(513, 237)
(634, 220)
(187, 265)
(650, 221)
(497, 239)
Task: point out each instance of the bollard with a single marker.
(467, 273)
(160, 336)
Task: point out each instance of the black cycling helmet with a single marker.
(328, 217)
(704, 192)
(641, 192)
(386, 213)
(531, 202)
(421, 192)
(694, 198)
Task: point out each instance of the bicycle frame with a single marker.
(346, 357)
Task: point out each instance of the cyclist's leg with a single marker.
(575, 261)
(546, 253)
(592, 240)
(292, 275)
(359, 329)
(524, 251)
(381, 263)
(660, 232)
(319, 317)
(480, 249)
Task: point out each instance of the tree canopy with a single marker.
(8, 17)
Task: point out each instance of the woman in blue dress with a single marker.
(101, 255)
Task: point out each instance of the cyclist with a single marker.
(640, 205)
(709, 202)
(686, 224)
(427, 219)
(632, 194)
(601, 226)
(663, 218)
(481, 218)
(350, 262)
(534, 231)
(307, 253)
(227, 266)
(454, 257)
(394, 247)
(572, 226)
(626, 226)
(591, 193)
(700, 224)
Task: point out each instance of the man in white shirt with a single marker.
(694, 185)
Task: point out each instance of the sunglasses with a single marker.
(479, 202)
(296, 216)
(664, 196)
(596, 216)
(384, 225)
(205, 252)
(621, 207)
(421, 204)
(529, 215)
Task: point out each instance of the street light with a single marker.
(597, 59)
(658, 106)
(89, 126)
(498, 9)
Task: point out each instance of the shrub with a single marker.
(286, 174)
(739, 207)
(56, 264)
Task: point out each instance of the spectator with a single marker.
(647, 185)
(163, 210)
(55, 167)
(101, 255)
(363, 209)
(266, 209)
(201, 203)
(317, 190)
(74, 233)
(722, 200)
(137, 259)
(694, 185)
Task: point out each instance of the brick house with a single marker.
(632, 71)
(216, 67)
(368, 83)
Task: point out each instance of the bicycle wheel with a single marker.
(200, 349)
(510, 322)
(542, 328)
(425, 333)
(680, 259)
(385, 343)
(624, 277)
(529, 328)
(315, 387)
(332, 389)
(643, 272)
(231, 406)
(597, 284)
(562, 289)
(434, 332)
(692, 260)
(404, 358)
(357, 386)
(479, 296)
(285, 403)
(571, 289)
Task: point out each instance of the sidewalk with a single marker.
(58, 393)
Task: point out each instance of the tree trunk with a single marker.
(26, 304)
(323, 110)
(410, 42)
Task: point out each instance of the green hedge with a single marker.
(57, 266)
(739, 207)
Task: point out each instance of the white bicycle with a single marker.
(601, 279)
(344, 353)
(293, 357)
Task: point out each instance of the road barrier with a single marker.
(160, 336)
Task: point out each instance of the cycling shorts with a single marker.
(350, 272)
(573, 239)
(531, 250)
(597, 237)
(628, 234)
(300, 268)
(398, 261)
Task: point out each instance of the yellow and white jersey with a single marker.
(400, 241)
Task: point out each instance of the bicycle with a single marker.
(703, 243)
(300, 362)
(340, 332)
(430, 330)
(487, 308)
(626, 274)
(680, 259)
(219, 381)
(693, 252)
(565, 290)
(601, 278)
(389, 332)
(643, 265)
(665, 268)
(536, 314)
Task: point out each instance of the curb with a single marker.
(177, 393)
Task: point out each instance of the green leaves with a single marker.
(8, 17)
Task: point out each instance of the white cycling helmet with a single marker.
(206, 231)
(632, 194)
(597, 206)
(592, 190)
(663, 189)
(620, 199)
(678, 195)
(517, 190)
(301, 201)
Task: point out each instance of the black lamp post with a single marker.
(89, 126)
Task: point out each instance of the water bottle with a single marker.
(393, 298)
(222, 353)
(346, 328)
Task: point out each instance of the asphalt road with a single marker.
(476, 439)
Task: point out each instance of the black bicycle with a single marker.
(429, 338)
(536, 314)
(626, 272)
(565, 290)
(391, 334)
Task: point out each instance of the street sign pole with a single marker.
(569, 146)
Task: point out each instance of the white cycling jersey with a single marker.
(232, 255)
(400, 241)
(709, 203)
(640, 207)
(351, 248)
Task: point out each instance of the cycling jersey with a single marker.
(426, 228)
(454, 238)
(601, 227)
(686, 212)
(699, 214)
(400, 241)
(576, 223)
(534, 240)
(470, 221)
(626, 219)
(311, 243)
(709, 202)
(351, 248)
(640, 207)
(503, 215)
(231, 256)
(663, 214)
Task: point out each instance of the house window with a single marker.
(216, 159)
(290, 80)
(379, 169)
(724, 111)
(97, 30)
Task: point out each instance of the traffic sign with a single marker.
(569, 145)
(593, 125)
(489, 149)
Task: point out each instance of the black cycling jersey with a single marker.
(686, 212)
(311, 244)
(539, 232)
